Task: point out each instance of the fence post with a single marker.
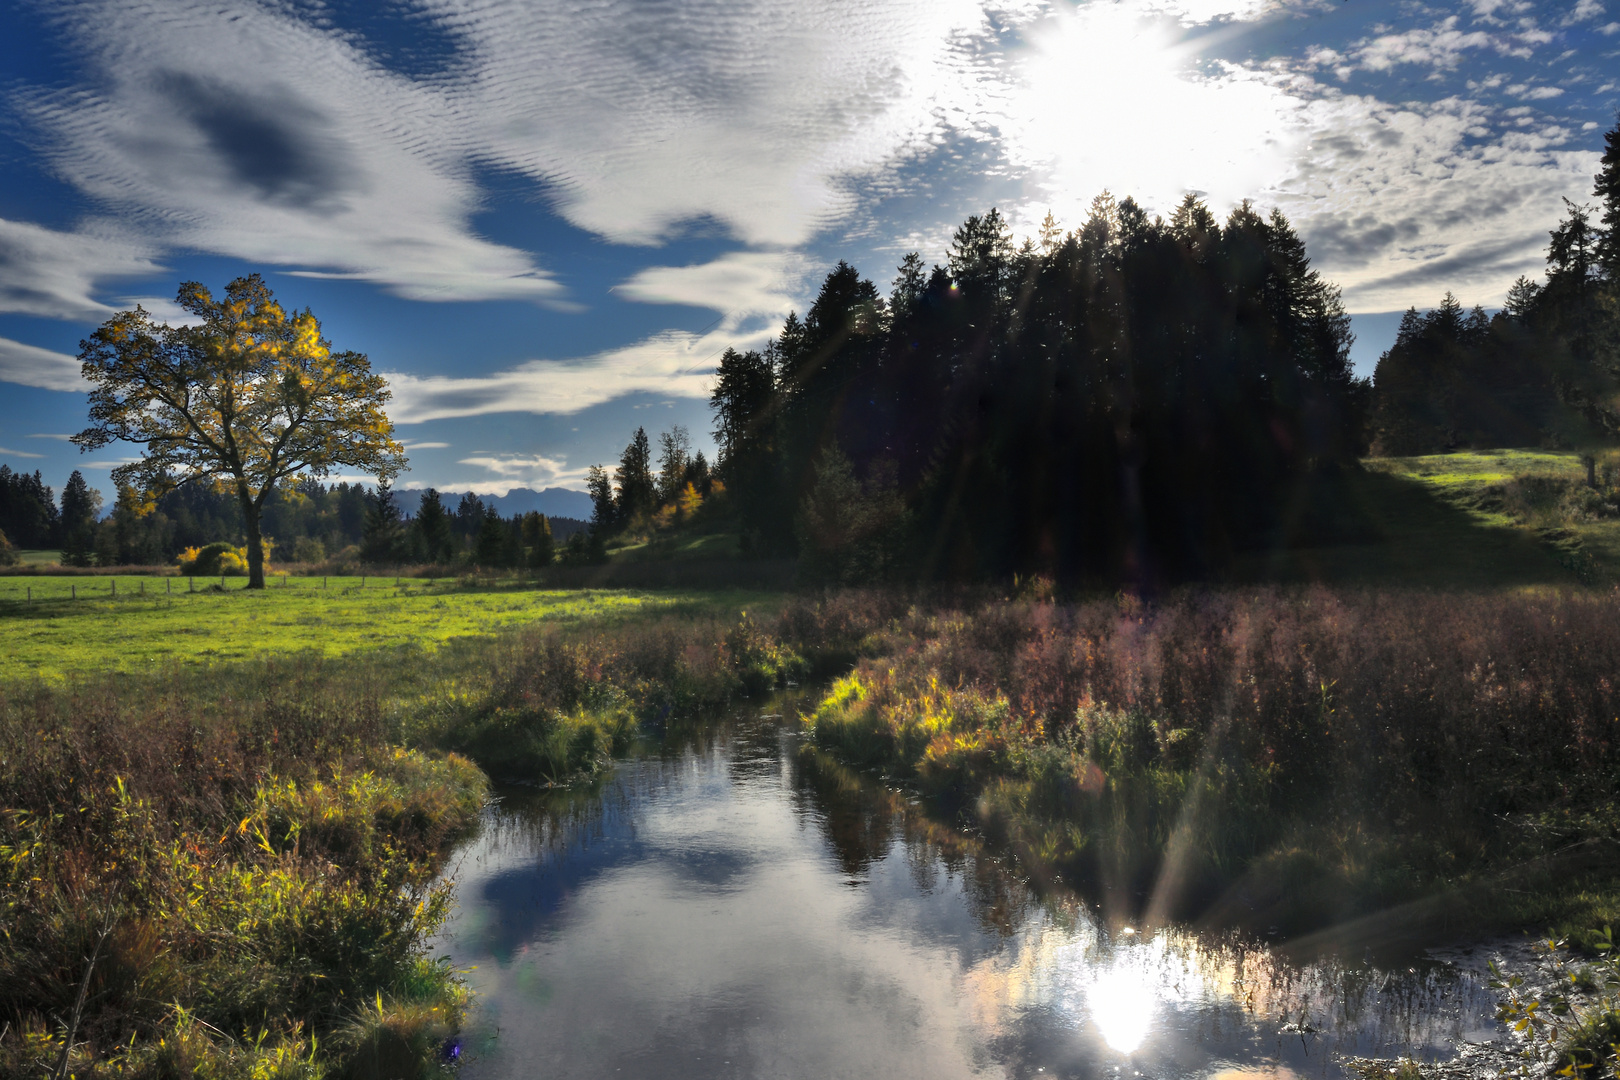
(168, 586)
(75, 588)
(115, 588)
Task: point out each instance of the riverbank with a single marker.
(232, 869)
(236, 861)
(1362, 766)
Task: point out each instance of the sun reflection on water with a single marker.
(1122, 1002)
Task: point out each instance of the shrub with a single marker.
(1573, 1023)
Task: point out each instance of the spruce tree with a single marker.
(674, 457)
(81, 508)
(635, 493)
(380, 540)
(490, 550)
(1607, 190)
(537, 540)
(433, 536)
(604, 513)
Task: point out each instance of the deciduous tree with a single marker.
(249, 394)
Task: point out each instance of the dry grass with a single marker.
(1288, 757)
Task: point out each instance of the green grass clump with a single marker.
(226, 935)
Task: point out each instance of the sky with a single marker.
(544, 221)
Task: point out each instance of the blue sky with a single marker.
(544, 221)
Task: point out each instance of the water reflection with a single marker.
(729, 903)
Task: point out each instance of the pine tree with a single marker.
(380, 540)
(490, 550)
(1521, 299)
(1607, 190)
(28, 511)
(537, 540)
(604, 514)
(433, 536)
(635, 491)
(81, 509)
(469, 516)
(674, 457)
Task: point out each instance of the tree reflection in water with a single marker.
(733, 902)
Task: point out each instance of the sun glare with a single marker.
(1122, 1002)
(1111, 98)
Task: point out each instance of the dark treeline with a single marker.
(470, 533)
(1545, 370)
(1138, 398)
(307, 521)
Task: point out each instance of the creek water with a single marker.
(728, 903)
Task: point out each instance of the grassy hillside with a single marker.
(1538, 493)
(1485, 520)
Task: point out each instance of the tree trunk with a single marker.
(255, 543)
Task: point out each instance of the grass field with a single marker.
(1539, 494)
(51, 627)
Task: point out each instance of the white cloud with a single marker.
(736, 285)
(1400, 203)
(1535, 93)
(19, 453)
(254, 134)
(1585, 9)
(518, 470)
(1194, 12)
(54, 274)
(754, 115)
(30, 365)
(425, 445)
(1486, 10)
(265, 134)
(1441, 45)
(58, 438)
(1609, 28)
(672, 363)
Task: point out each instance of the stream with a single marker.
(729, 903)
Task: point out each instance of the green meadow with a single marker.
(1541, 494)
(52, 627)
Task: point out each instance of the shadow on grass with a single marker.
(1407, 536)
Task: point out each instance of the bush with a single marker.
(1573, 1022)
(210, 561)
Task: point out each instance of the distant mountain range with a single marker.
(552, 502)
